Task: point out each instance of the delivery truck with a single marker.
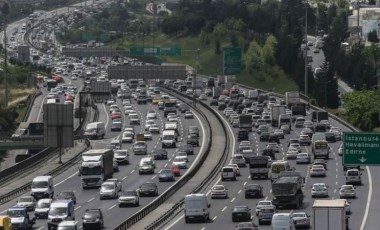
(276, 111)
(96, 167)
(329, 215)
(29, 130)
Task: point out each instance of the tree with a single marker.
(372, 36)
(220, 30)
(253, 58)
(218, 52)
(269, 50)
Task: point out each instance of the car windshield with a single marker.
(319, 187)
(299, 215)
(91, 214)
(40, 184)
(15, 213)
(218, 188)
(265, 203)
(129, 193)
(108, 186)
(347, 188)
(57, 211)
(148, 186)
(166, 171)
(240, 209)
(178, 159)
(43, 205)
(26, 199)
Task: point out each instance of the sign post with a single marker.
(361, 149)
(232, 59)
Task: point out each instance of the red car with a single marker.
(115, 115)
(69, 98)
(176, 171)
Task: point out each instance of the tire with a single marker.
(260, 223)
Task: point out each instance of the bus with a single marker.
(277, 167)
(51, 84)
(321, 149)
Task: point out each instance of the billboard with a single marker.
(94, 52)
(147, 72)
(58, 125)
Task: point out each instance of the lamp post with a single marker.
(197, 62)
(306, 2)
(5, 11)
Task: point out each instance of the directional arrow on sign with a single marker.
(362, 159)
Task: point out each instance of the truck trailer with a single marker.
(287, 190)
(96, 167)
(329, 215)
(245, 122)
(276, 111)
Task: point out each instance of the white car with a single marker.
(337, 132)
(219, 191)
(148, 123)
(151, 115)
(319, 190)
(147, 135)
(127, 137)
(317, 171)
(189, 115)
(292, 153)
(27, 202)
(239, 160)
(273, 146)
(262, 203)
(347, 191)
(340, 150)
(108, 190)
(130, 197)
(117, 182)
(154, 129)
(180, 162)
(301, 220)
(303, 158)
(295, 145)
(236, 168)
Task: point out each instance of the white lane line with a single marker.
(107, 115)
(225, 207)
(153, 177)
(201, 228)
(369, 196)
(334, 190)
(65, 179)
(112, 207)
(239, 191)
(132, 171)
(91, 200)
(232, 200)
(245, 183)
(124, 178)
(214, 218)
(41, 228)
(78, 207)
(41, 107)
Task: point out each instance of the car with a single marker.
(108, 190)
(264, 136)
(279, 133)
(337, 132)
(148, 189)
(151, 115)
(236, 168)
(189, 149)
(180, 161)
(285, 129)
(320, 162)
(67, 195)
(273, 146)
(189, 115)
(319, 190)
(353, 176)
(183, 154)
(154, 129)
(261, 204)
(265, 214)
(303, 158)
(117, 182)
(219, 191)
(241, 213)
(193, 140)
(127, 137)
(149, 123)
(295, 145)
(148, 136)
(326, 123)
(330, 137)
(121, 156)
(27, 202)
(274, 138)
(304, 139)
(92, 219)
(42, 208)
(214, 102)
(253, 190)
(317, 171)
(129, 197)
(160, 154)
(292, 153)
(176, 170)
(115, 115)
(301, 220)
(347, 191)
(166, 175)
(307, 131)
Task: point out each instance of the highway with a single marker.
(221, 209)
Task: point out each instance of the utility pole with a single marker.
(306, 2)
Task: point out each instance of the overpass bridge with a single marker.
(22, 144)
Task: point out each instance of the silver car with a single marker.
(347, 191)
(27, 202)
(301, 219)
(319, 190)
(130, 197)
(108, 190)
(303, 158)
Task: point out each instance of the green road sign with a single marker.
(170, 51)
(232, 59)
(361, 149)
(144, 51)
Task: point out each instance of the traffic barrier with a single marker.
(174, 188)
(30, 102)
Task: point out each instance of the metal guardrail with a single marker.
(30, 102)
(174, 188)
(178, 206)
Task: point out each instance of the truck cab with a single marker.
(20, 218)
(168, 138)
(60, 210)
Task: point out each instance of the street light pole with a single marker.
(5, 64)
(307, 45)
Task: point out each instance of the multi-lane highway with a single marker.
(221, 209)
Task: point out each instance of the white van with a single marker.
(282, 221)
(196, 208)
(42, 187)
(68, 225)
(51, 101)
(228, 173)
(353, 176)
(61, 210)
(95, 130)
(277, 167)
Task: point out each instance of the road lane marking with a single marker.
(41, 228)
(153, 177)
(107, 115)
(65, 179)
(78, 207)
(132, 171)
(225, 207)
(124, 178)
(214, 218)
(369, 196)
(245, 183)
(91, 200)
(239, 191)
(112, 207)
(232, 200)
